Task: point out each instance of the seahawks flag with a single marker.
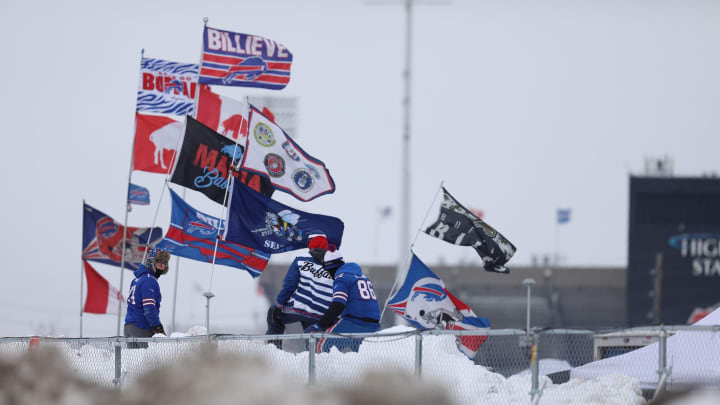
(457, 225)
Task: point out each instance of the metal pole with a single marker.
(528, 282)
(311, 360)
(663, 371)
(418, 355)
(127, 210)
(534, 369)
(122, 260)
(118, 364)
(657, 289)
(207, 295)
(177, 272)
(405, 178)
(82, 277)
(662, 355)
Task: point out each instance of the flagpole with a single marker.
(405, 178)
(177, 274)
(555, 237)
(81, 278)
(200, 65)
(81, 294)
(405, 260)
(127, 210)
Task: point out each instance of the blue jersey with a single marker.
(355, 291)
(307, 288)
(143, 301)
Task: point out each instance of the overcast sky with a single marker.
(520, 107)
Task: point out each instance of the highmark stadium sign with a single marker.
(702, 250)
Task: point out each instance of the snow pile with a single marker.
(189, 370)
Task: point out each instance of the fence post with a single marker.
(418, 355)
(663, 370)
(118, 364)
(534, 369)
(311, 359)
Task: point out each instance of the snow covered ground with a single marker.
(442, 364)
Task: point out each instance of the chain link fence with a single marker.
(517, 367)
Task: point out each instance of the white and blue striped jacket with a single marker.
(307, 288)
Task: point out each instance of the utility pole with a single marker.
(405, 180)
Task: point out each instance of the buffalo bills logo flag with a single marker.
(234, 59)
(424, 301)
(192, 234)
(103, 239)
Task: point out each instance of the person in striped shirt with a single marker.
(306, 291)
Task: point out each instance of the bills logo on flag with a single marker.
(103, 239)
(258, 221)
(424, 301)
(273, 154)
(166, 87)
(192, 234)
(563, 215)
(234, 59)
(157, 140)
(223, 115)
(138, 195)
(459, 226)
(205, 160)
(102, 297)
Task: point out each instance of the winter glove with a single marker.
(314, 328)
(277, 314)
(158, 329)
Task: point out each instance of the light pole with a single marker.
(528, 282)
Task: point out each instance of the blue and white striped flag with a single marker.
(167, 87)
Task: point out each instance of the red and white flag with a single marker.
(224, 115)
(102, 298)
(157, 138)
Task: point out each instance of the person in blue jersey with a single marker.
(354, 307)
(143, 303)
(306, 291)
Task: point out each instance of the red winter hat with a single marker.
(317, 240)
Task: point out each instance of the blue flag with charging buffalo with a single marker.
(103, 239)
(424, 301)
(192, 235)
(263, 223)
(138, 195)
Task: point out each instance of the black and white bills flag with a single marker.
(457, 225)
